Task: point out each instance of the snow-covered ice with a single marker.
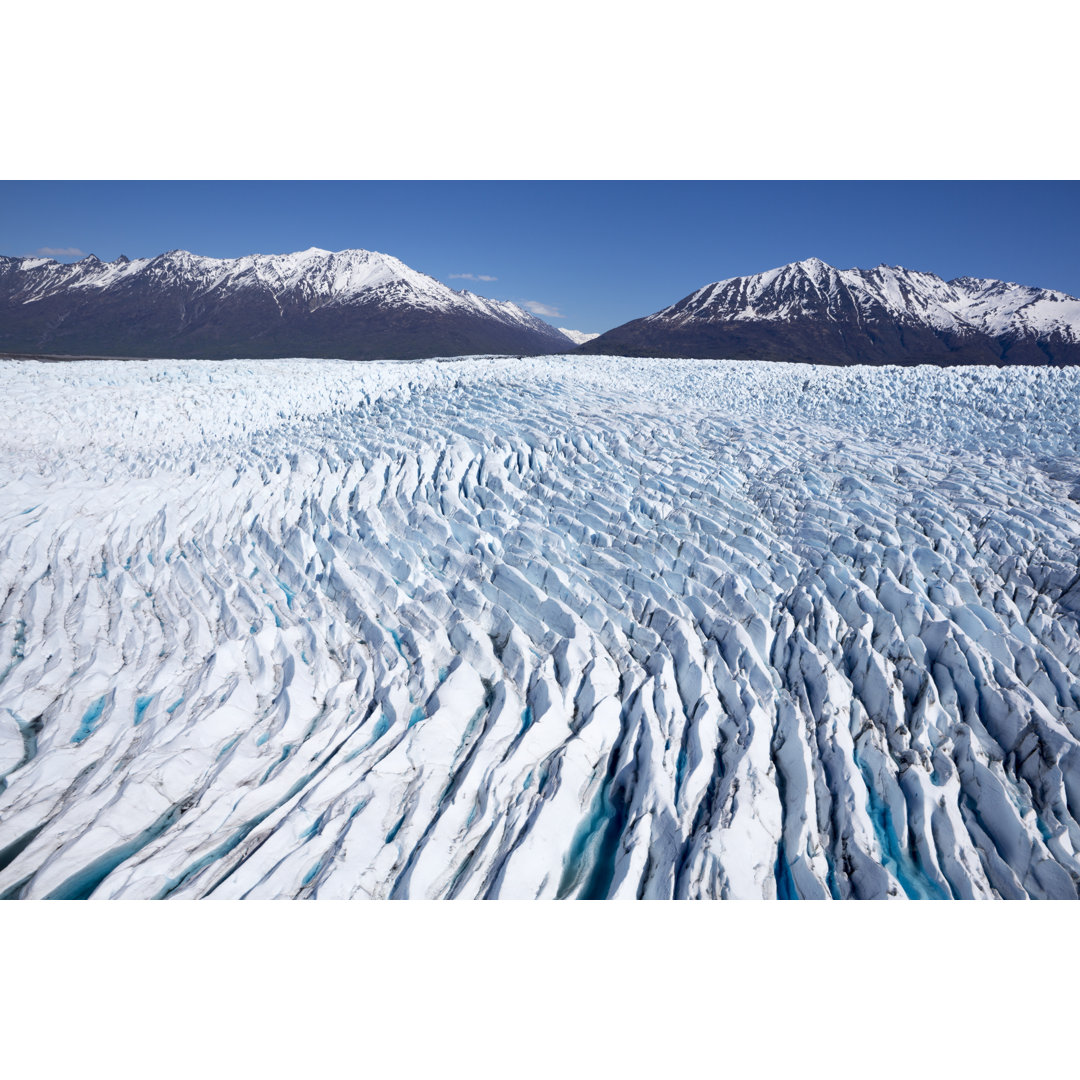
(552, 627)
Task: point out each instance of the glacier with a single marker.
(556, 627)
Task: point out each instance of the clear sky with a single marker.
(597, 253)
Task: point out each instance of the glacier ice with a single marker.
(550, 627)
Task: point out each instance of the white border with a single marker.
(478, 89)
(422, 989)
(230, 90)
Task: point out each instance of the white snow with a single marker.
(548, 627)
(578, 337)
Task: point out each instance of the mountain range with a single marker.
(356, 305)
(363, 305)
(810, 311)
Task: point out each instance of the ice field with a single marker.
(551, 627)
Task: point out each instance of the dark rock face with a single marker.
(812, 313)
(351, 305)
(811, 343)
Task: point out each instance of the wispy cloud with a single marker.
(542, 309)
(474, 277)
(59, 251)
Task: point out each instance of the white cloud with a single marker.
(542, 309)
(59, 251)
(474, 277)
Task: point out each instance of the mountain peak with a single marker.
(817, 270)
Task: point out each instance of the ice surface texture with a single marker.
(584, 627)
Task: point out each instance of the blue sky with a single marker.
(597, 253)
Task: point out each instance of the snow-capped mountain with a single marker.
(578, 337)
(352, 304)
(810, 311)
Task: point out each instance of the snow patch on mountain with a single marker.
(578, 337)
